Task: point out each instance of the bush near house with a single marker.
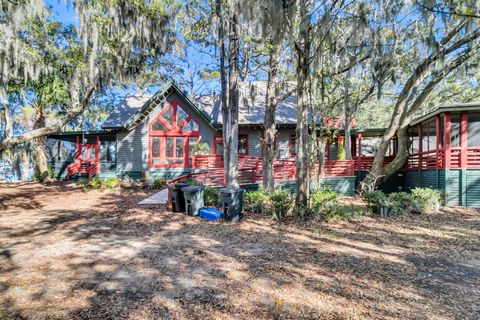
(255, 201)
(212, 197)
(429, 200)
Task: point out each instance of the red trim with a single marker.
(446, 139)
(420, 146)
(174, 131)
(246, 136)
(437, 139)
(463, 139)
(359, 155)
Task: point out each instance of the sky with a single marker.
(196, 56)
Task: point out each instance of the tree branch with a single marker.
(75, 112)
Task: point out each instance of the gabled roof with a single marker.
(135, 108)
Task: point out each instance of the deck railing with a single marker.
(210, 170)
(436, 159)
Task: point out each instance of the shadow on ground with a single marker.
(104, 257)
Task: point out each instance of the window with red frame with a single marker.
(172, 135)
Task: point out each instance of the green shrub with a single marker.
(212, 197)
(401, 203)
(255, 201)
(281, 203)
(95, 183)
(428, 199)
(82, 183)
(111, 183)
(374, 199)
(323, 197)
(159, 183)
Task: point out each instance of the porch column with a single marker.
(359, 153)
(420, 147)
(97, 155)
(463, 139)
(446, 140)
(78, 156)
(437, 139)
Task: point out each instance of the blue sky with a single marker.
(64, 12)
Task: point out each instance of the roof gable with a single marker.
(135, 109)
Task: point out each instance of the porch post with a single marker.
(446, 140)
(420, 147)
(97, 155)
(463, 139)
(437, 139)
(78, 156)
(359, 154)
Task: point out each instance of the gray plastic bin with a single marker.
(232, 203)
(175, 197)
(193, 199)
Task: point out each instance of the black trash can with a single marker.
(232, 203)
(176, 199)
(193, 199)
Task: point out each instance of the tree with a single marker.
(277, 15)
(444, 43)
(115, 41)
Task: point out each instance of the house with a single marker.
(151, 136)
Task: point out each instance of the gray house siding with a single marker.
(255, 137)
(132, 146)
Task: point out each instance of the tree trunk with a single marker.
(41, 165)
(6, 114)
(348, 141)
(26, 165)
(270, 130)
(303, 54)
(230, 113)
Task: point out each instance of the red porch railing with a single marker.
(365, 162)
(250, 170)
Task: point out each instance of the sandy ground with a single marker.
(70, 254)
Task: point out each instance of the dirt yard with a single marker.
(70, 254)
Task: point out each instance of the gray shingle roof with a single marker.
(125, 109)
(251, 106)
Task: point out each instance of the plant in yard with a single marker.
(323, 197)
(374, 199)
(159, 183)
(212, 197)
(83, 183)
(111, 183)
(401, 203)
(428, 199)
(255, 201)
(281, 201)
(95, 183)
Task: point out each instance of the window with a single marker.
(293, 138)
(243, 144)
(218, 145)
(473, 135)
(173, 133)
(455, 131)
(107, 151)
